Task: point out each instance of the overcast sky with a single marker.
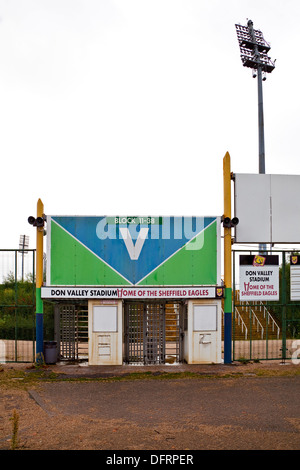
(127, 107)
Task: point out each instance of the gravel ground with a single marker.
(171, 408)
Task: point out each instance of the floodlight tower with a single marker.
(254, 54)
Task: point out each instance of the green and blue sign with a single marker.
(133, 251)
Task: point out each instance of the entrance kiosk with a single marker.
(152, 285)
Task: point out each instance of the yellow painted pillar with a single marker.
(227, 263)
(39, 283)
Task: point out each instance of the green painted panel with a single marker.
(73, 264)
(188, 266)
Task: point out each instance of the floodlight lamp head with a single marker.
(39, 222)
(226, 222)
(229, 223)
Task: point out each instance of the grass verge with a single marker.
(22, 378)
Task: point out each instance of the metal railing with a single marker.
(241, 322)
(269, 317)
(255, 318)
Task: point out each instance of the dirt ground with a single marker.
(79, 407)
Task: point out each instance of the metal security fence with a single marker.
(17, 306)
(265, 330)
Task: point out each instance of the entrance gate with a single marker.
(71, 331)
(153, 332)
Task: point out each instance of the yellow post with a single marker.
(227, 261)
(39, 246)
(39, 283)
(227, 213)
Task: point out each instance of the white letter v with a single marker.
(134, 250)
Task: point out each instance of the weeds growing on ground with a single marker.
(15, 430)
